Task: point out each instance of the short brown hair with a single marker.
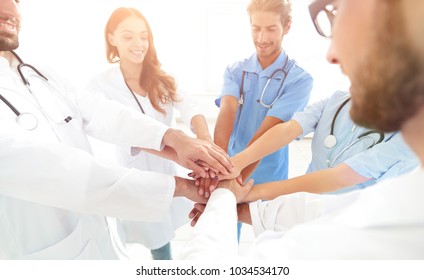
(281, 7)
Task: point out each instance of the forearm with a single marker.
(76, 181)
(167, 152)
(200, 127)
(225, 122)
(173, 138)
(267, 124)
(322, 181)
(276, 137)
(248, 170)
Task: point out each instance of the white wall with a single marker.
(195, 40)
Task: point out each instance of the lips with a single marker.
(262, 46)
(8, 26)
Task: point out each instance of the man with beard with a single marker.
(379, 44)
(54, 195)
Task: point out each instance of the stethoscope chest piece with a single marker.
(330, 141)
(27, 121)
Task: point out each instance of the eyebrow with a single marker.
(269, 26)
(129, 31)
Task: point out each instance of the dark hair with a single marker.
(160, 86)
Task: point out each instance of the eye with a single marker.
(255, 29)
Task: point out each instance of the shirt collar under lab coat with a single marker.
(252, 64)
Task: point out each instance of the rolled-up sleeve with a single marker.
(309, 118)
(231, 86)
(387, 159)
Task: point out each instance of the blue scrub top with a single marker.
(292, 97)
(390, 158)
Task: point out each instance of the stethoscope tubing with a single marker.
(20, 115)
(30, 124)
(330, 141)
(241, 98)
(13, 108)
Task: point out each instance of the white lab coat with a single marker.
(382, 222)
(53, 197)
(111, 85)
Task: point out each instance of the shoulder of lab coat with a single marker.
(111, 121)
(54, 174)
(215, 234)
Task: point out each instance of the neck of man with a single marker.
(413, 134)
(266, 61)
(8, 55)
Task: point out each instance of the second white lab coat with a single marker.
(111, 85)
(54, 194)
(382, 222)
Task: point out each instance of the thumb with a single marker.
(196, 169)
(239, 179)
(249, 184)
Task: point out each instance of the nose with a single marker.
(260, 36)
(332, 54)
(10, 8)
(139, 42)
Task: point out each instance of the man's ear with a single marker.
(287, 27)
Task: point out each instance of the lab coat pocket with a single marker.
(74, 246)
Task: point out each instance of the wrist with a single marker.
(180, 186)
(204, 136)
(240, 161)
(172, 137)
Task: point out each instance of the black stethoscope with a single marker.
(260, 100)
(28, 120)
(330, 141)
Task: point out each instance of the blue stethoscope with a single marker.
(29, 121)
(330, 141)
(260, 100)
